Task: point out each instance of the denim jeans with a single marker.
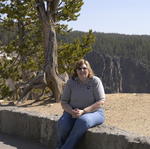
(70, 130)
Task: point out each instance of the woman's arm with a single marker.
(66, 107)
(78, 112)
(94, 106)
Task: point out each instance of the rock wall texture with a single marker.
(13, 121)
(120, 74)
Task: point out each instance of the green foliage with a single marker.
(69, 53)
(19, 19)
(69, 10)
(7, 71)
(4, 91)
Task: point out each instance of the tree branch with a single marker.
(37, 82)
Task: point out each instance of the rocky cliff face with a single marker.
(120, 74)
(135, 76)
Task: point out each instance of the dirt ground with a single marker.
(130, 112)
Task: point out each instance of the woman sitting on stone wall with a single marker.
(82, 102)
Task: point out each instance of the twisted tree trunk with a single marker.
(46, 11)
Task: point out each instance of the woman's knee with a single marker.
(90, 119)
(83, 121)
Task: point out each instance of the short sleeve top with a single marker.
(80, 95)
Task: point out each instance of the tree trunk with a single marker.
(51, 66)
(50, 43)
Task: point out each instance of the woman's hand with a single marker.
(77, 113)
(74, 112)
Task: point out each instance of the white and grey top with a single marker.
(83, 94)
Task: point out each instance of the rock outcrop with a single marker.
(120, 74)
(135, 76)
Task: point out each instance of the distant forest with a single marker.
(136, 47)
(131, 46)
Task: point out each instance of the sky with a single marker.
(114, 16)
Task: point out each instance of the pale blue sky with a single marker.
(114, 16)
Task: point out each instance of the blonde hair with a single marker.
(78, 64)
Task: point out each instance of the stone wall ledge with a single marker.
(41, 128)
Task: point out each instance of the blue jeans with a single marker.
(70, 130)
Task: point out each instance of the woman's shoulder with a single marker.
(96, 82)
(95, 79)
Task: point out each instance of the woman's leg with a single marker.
(81, 125)
(64, 126)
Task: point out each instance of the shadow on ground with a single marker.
(13, 142)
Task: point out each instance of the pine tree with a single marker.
(35, 23)
(51, 12)
(20, 18)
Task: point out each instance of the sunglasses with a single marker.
(82, 68)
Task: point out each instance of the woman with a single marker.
(82, 102)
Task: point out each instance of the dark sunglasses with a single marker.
(80, 68)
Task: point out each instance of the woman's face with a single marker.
(82, 72)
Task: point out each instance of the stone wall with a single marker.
(29, 125)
